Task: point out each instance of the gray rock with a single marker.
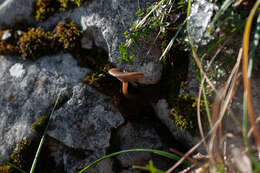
(137, 136)
(13, 11)
(73, 160)
(28, 90)
(104, 22)
(85, 121)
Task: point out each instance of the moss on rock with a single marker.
(36, 42)
(23, 157)
(184, 112)
(67, 35)
(6, 169)
(43, 9)
(40, 124)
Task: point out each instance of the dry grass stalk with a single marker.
(202, 90)
(227, 95)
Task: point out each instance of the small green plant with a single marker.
(157, 19)
(150, 167)
(94, 78)
(125, 57)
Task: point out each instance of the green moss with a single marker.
(98, 78)
(40, 124)
(183, 108)
(34, 43)
(184, 112)
(93, 78)
(67, 35)
(6, 169)
(43, 9)
(22, 156)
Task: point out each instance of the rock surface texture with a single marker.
(29, 90)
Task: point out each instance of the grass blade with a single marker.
(172, 41)
(43, 137)
(247, 74)
(144, 19)
(222, 9)
(158, 152)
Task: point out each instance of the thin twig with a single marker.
(200, 91)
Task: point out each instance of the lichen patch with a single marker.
(17, 70)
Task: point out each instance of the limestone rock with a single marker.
(27, 97)
(83, 121)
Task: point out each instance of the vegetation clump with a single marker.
(20, 156)
(36, 42)
(184, 112)
(6, 169)
(23, 156)
(45, 8)
(40, 124)
(67, 35)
